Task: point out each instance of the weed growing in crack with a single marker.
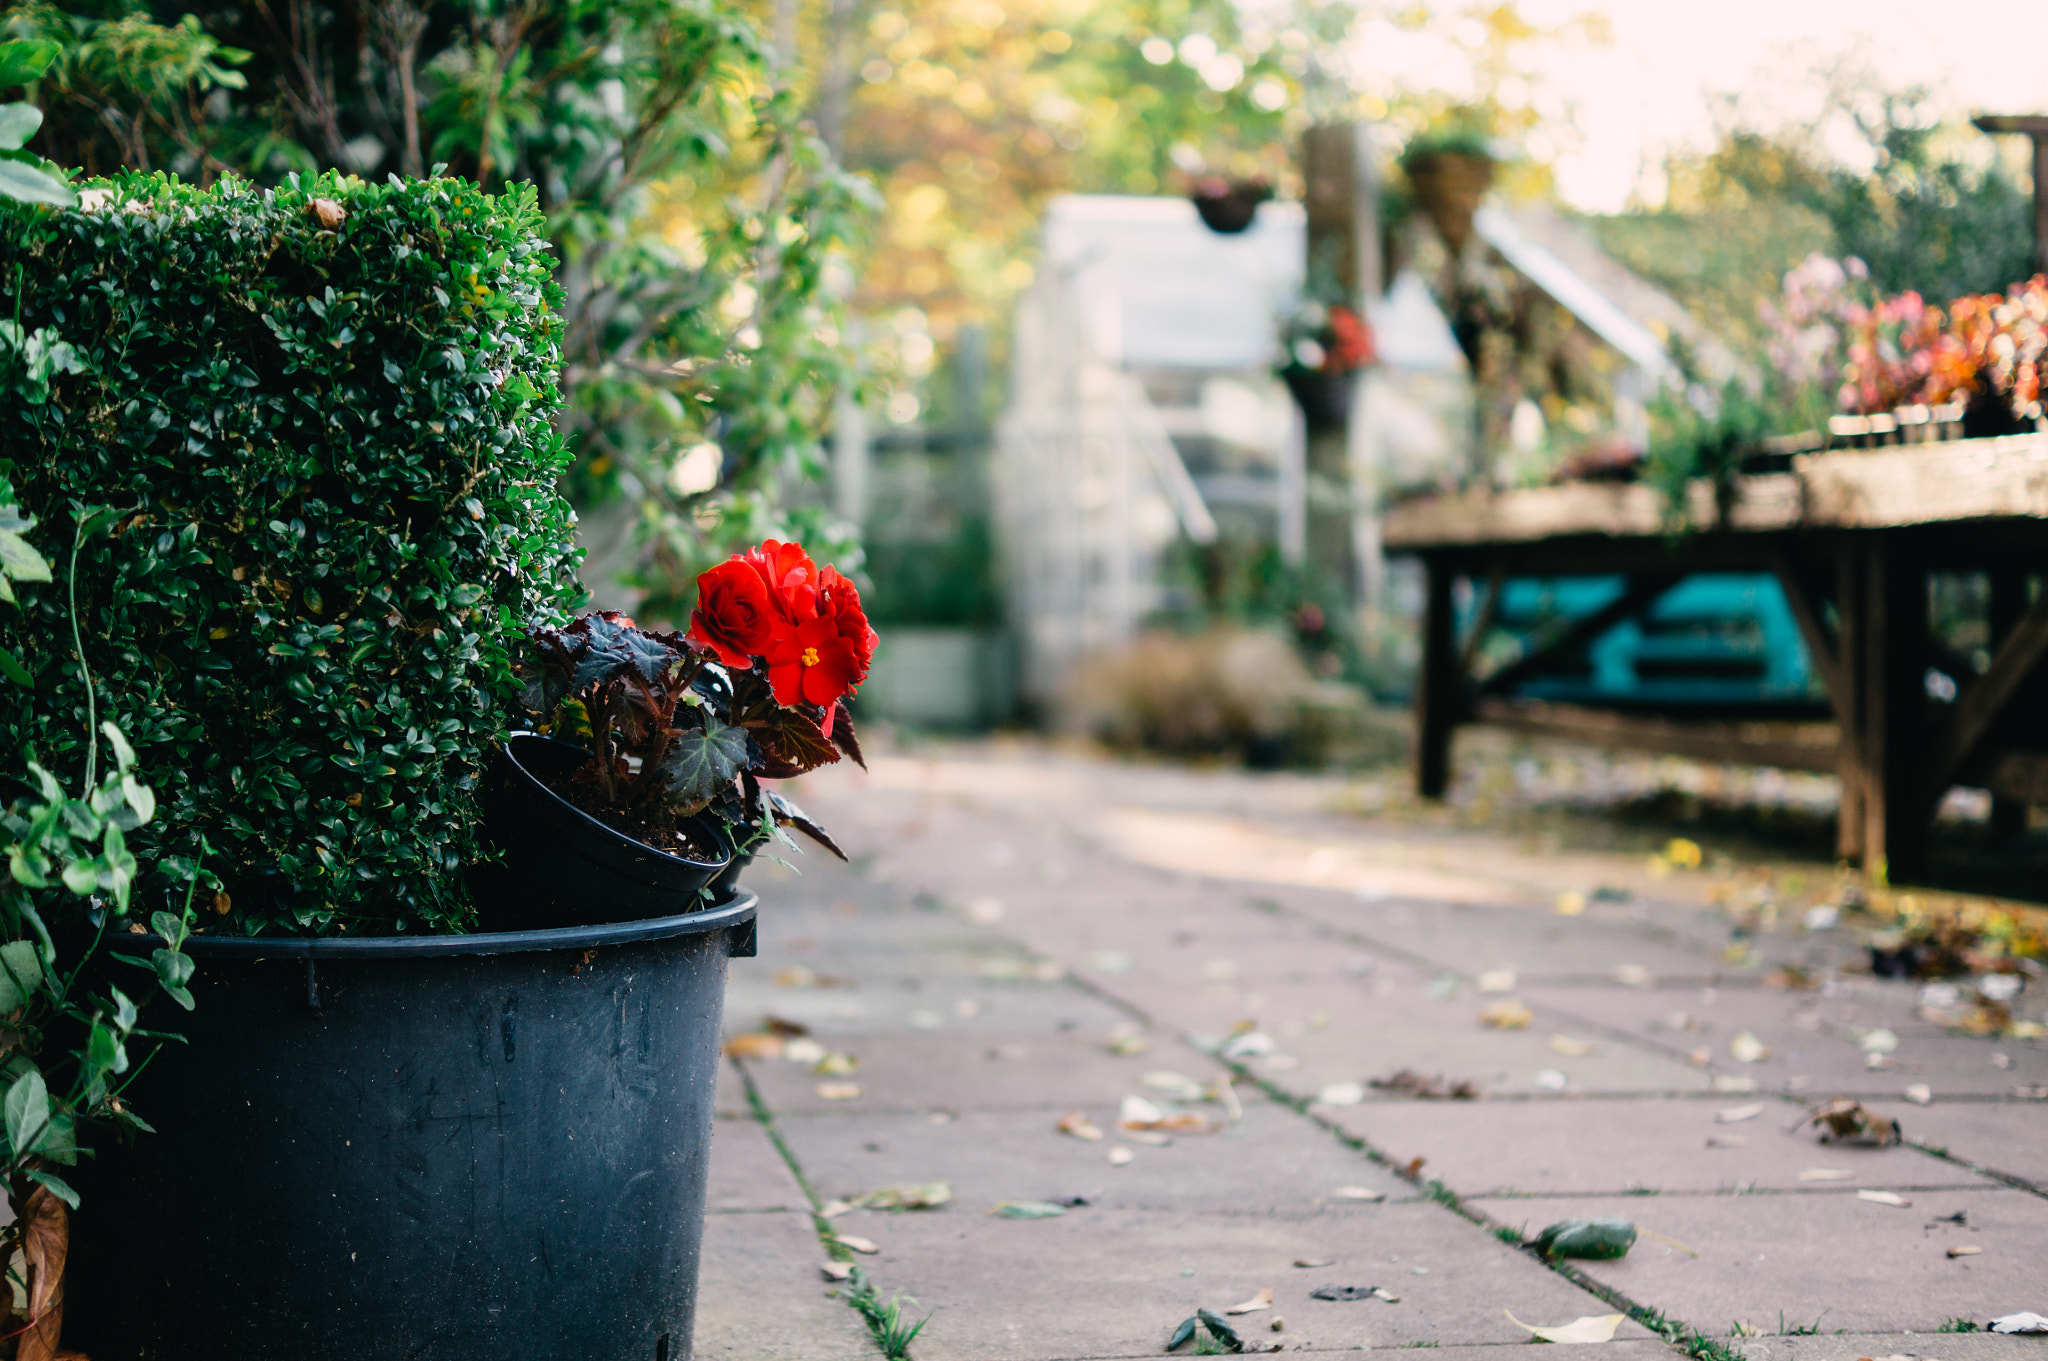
(892, 1334)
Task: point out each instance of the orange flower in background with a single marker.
(1351, 344)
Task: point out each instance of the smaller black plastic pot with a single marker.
(1324, 398)
(561, 866)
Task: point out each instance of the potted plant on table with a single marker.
(652, 747)
(1228, 206)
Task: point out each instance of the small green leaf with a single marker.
(700, 763)
(20, 974)
(124, 754)
(1028, 1209)
(18, 123)
(81, 876)
(56, 1185)
(27, 1112)
(1589, 1239)
(29, 185)
(1183, 1334)
(139, 797)
(17, 558)
(24, 60)
(13, 669)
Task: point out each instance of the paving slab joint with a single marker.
(884, 1321)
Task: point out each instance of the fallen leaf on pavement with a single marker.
(804, 976)
(1965, 1250)
(1508, 1015)
(1183, 1334)
(1920, 1094)
(1728, 1141)
(1735, 1115)
(1593, 1328)
(1177, 1085)
(832, 1209)
(837, 1064)
(1252, 1044)
(1220, 1330)
(1151, 1138)
(803, 1051)
(1731, 1083)
(1028, 1209)
(787, 1029)
(1632, 975)
(1569, 1046)
(2028, 1322)
(1879, 1042)
(837, 1271)
(1685, 855)
(1120, 1156)
(1357, 1193)
(927, 1195)
(1139, 1116)
(1261, 1301)
(754, 1046)
(1570, 904)
(1853, 1122)
(1891, 1198)
(1341, 1094)
(1552, 1080)
(1747, 1048)
(1315, 1261)
(1825, 1174)
(1079, 1125)
(1497, 980)
(1344, 1292)
(838, 1091)
(1126, 1043)
(853, 1244)
(1590, 1239)
(1427, 1088)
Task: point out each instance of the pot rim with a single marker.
(739, 910)
(588, 822)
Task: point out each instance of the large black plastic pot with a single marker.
(440, 1148)
(563, 867)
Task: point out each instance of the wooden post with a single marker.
(1852, 663)
(1342, 199)
(2008, 603)
(1439, 689)
(2035, 126)
(1896, 811)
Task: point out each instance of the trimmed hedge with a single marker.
(321, 419)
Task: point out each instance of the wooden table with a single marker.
(1853, 536)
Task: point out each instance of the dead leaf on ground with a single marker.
(1920, 1094)
(1891, 1198)
(1138, 1115)
(1261, 1301)
(804, 976)
(925, 1195)
(1028, 1209)
(1825, 1174)
(1341, 1094)
(1965, 1250)
(1570, 1046)
(1120, 1156)
(1413, 1168)
(837, 1271)
(1496, 980)
(853, 1243)
(1592, 1328)
(1848, 1121)
(802, 1050)
(2026, 1322)
(1359, 1192)
(1347, 1293)
(1315, 1261)
(1508, 1015)
(44, 1244)
(1426, 1088)
(837, 1064)
(1735, 1115)
(838, 1091)
(754, 1045)
(1597, 1240)
(1179, 1086)
(1126, 1043)
(787, 1029)
(1747, 1048)
(1079, 1125)
(832, 1209)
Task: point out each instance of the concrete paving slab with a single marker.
(1815, 1041)
(1272, 1161)
(729, 1098)
(1918, 1346)
(2005, 1136)
(910, 1003)
(1114, 1283)
(1565, 1146)
(747, 1174)
(760, 1296)
(918, 1071)
(1826, 1256)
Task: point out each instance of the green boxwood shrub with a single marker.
(320, 419)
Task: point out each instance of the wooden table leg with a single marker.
(1897, 812)
(1439, 690)
(1852, 664)
(2008, 603)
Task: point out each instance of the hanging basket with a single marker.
(1324, 398)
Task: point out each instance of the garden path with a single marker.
(1022, 934)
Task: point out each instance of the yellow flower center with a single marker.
(810, 656)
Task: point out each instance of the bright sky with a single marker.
(1652, 86)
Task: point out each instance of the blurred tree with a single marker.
(704, 230)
